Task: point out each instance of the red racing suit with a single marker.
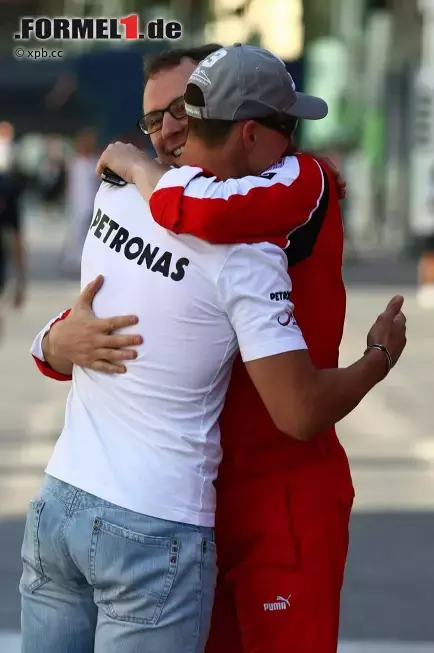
(283, 506)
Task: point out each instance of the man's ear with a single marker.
(250, 129)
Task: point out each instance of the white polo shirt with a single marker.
(149, 440)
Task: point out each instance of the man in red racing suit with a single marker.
(283, 506)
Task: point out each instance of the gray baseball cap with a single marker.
(244, 82)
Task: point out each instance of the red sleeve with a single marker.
(266, 207)
(44, 367)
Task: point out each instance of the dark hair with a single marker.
(212, 132)
(155, 63)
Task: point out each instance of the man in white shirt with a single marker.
(134, 502)
(122, 532)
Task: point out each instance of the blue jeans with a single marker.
(101, 579)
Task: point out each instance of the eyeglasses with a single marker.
(153, 121)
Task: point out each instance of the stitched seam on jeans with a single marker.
(92, 552)
(74, 500)
(56, 496)
(134, 620)
(62, 540)
(37, 583)
(135, 536)
(34, 562)
(162, 600)
(98, 504)
(46, 580)
(63, 527)
(37, 508)
(199, 594)
(168, 583)
(68, 500)
(169, 578)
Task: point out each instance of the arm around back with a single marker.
(255, 291)
(79, 338)
(302, 400)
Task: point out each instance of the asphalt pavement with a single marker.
(388, 598)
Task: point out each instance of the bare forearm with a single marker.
(337, 392)
(304, 401)
(146, 176)
(56, 362)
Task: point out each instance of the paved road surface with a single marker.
(388, 600)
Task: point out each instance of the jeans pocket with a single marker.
(33, 575)
(132, 573)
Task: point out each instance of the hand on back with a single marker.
(88, 341)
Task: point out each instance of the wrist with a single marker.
(46, 346)
(138, 171)
(146, 174)
(49, 347)
(378, 361)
